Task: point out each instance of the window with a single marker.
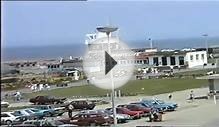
(164, 60)
(155, 61)
(191, 57)
(172, 60)
(197, 55)
(4, 115)
(203, 56)
(28, 111)
(76, 116)
(181, 60)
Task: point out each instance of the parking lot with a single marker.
(200, 112)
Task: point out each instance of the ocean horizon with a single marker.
(78, 49)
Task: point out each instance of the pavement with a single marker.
(200, 113)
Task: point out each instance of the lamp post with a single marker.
(109, 30)
(206, 42)
(151, 43)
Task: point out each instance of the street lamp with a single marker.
(151, 43)
(206, 42)
(109, 30)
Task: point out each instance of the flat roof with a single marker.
(215, 76)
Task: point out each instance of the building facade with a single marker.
(196, 59)
(175, 59)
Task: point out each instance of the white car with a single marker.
(26, 112)
(4, 104)
(46, 122)
(122, 118)
(10, 118)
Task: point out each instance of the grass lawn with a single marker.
(151, 87)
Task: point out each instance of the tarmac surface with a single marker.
(199, 113)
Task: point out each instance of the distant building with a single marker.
(71, 63)
(214, 55)
(92, 37)
(196, 59)
(26, 64)
(175, 58)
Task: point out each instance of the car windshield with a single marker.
(148, 103)
(34, 110)
(139, 105)
(16, 113)
(125, 109)
(160, 101)
(28, 111)
(105, 111)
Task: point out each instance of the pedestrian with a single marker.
(170, 96)
(88, 81)
(70, 109)
(191, 95)
(18, 96)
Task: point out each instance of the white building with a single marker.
(92, 37)
(196, 59)
(174, 59)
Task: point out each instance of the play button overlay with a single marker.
(107, 61)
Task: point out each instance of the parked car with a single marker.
(10, 118)
(4, 104)
(42, 100)
(91, 119)
(134, 107)
(121, 118)
(32, 113)
(133, 114)
(82, 104)
(158, 106)
(172, 105)
(158, 109)
(45, 122)
(159, 103)
(48, 110)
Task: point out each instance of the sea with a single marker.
(78, 49)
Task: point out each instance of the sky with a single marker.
(37, 23)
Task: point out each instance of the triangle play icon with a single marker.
(109, 63)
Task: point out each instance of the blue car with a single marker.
(159, 109)
(171, 106)
(30, 113)
(162, 104)
(46, 109)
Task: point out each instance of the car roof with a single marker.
(7, 112)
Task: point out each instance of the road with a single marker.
(198, 113)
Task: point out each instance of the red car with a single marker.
(91, 119)
(133, 114)
(134, 107)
